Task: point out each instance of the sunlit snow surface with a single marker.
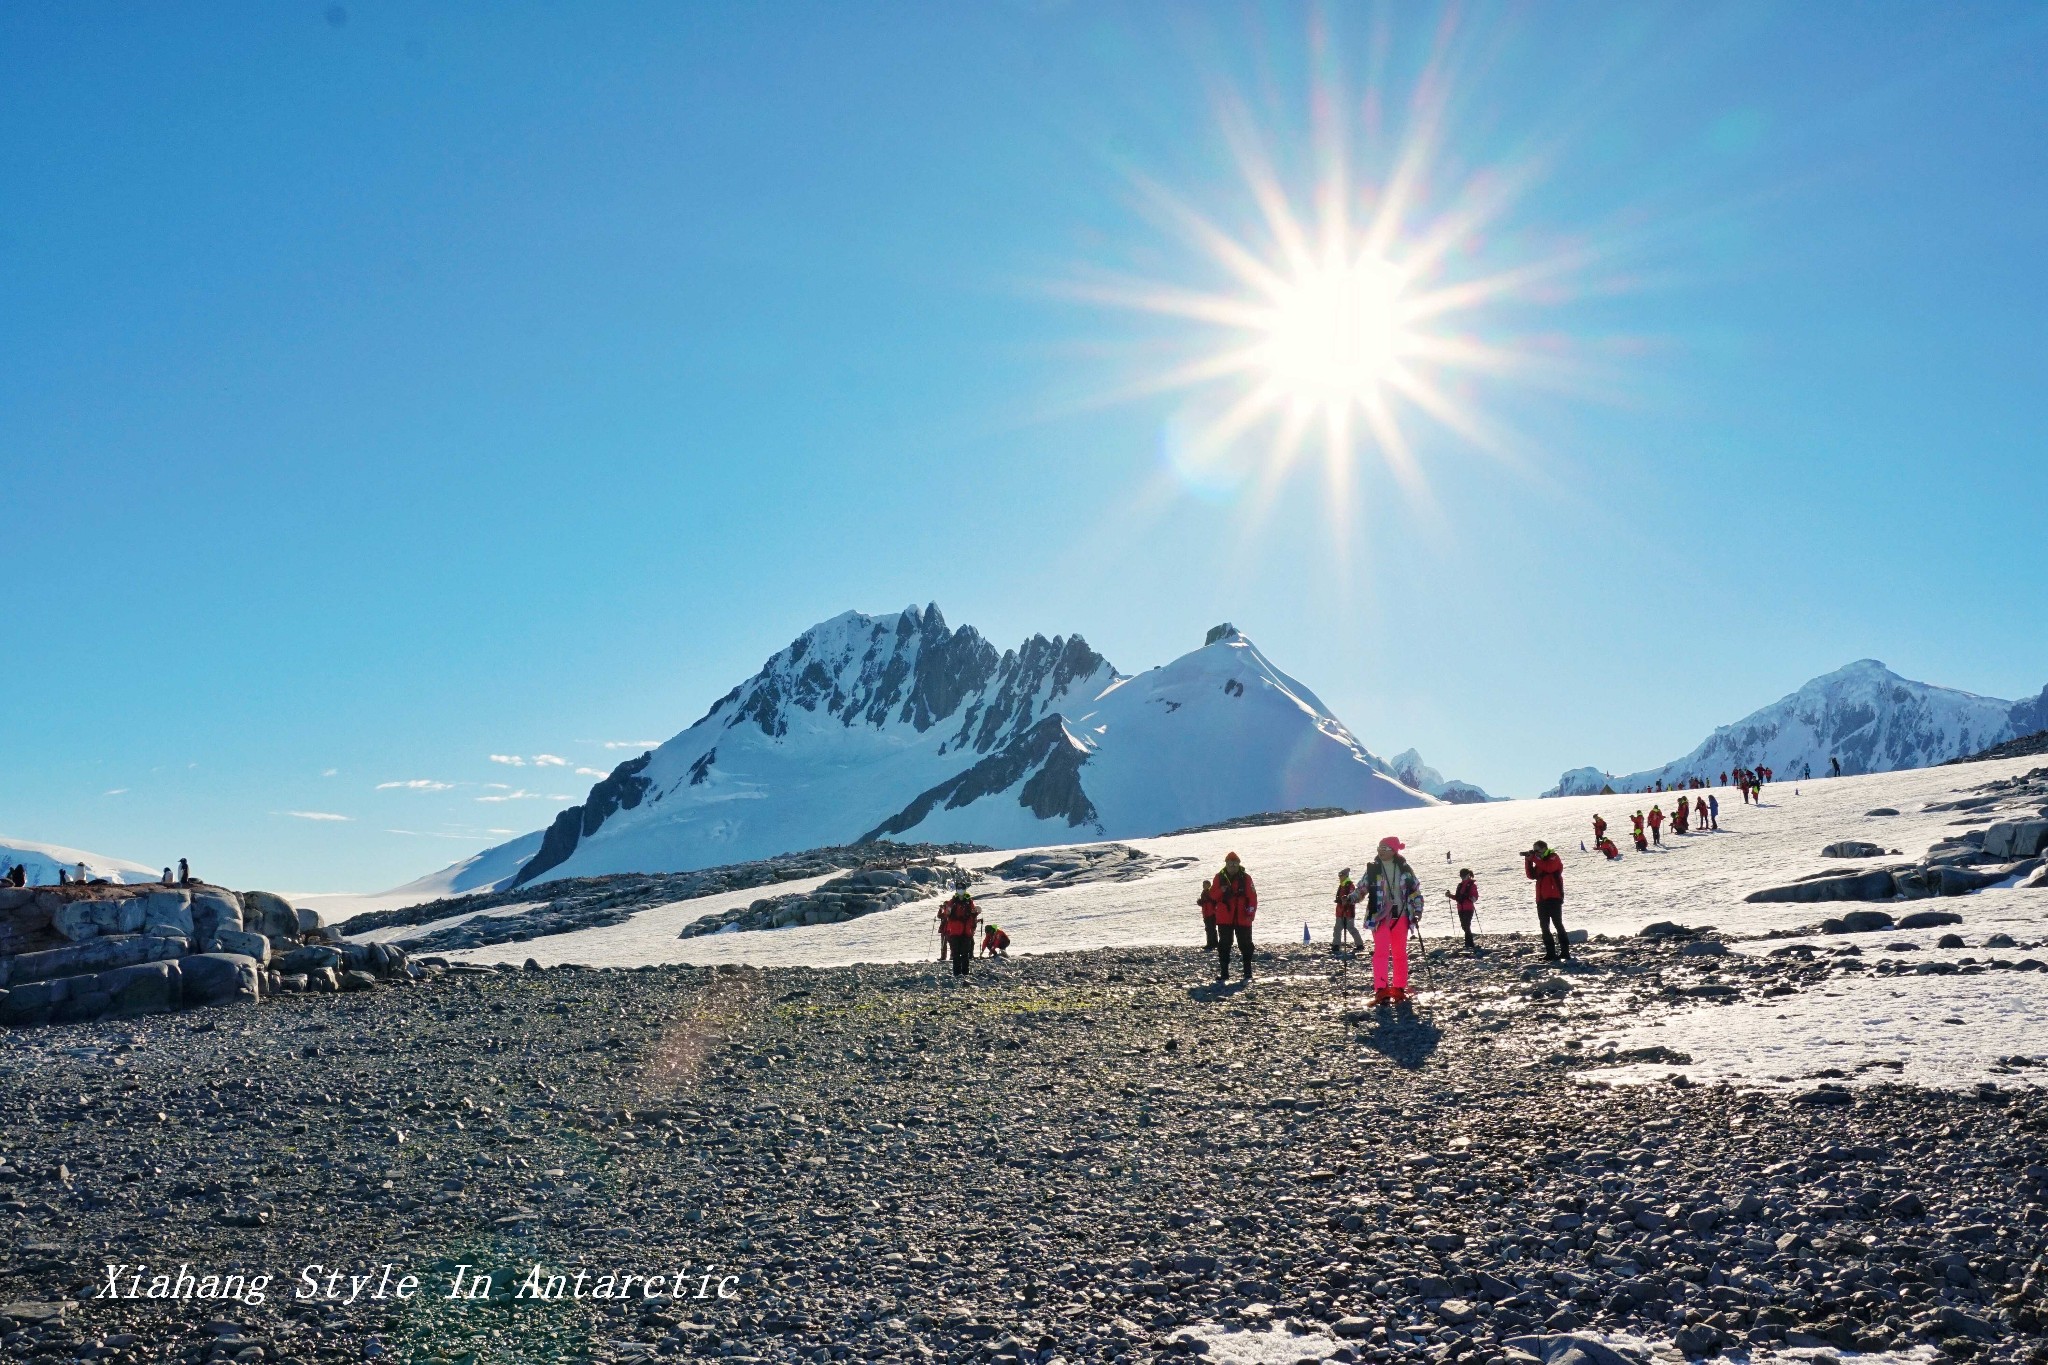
(1277, 1345)
(1697, 880)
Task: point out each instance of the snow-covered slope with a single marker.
(1215, 734)
(1413, 772)
(42, 862)
(1853, 1026)
(835, 733)
(902, 727)
(1865, 714)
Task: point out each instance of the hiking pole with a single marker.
(1428, 973)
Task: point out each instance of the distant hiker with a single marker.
(1466, 898)
(1635, 823)
(1542, 866)
(184, 873)
(1699, 813)
(1237, 905)
(1608, 849)
(1835, 766)
(1599, 829)
(1681, 817)
(1395, 903)
(1657, 825)
(167, 877)
(994, 942)
(1713, 811)
(1207, 902)
(1346, 915)
(956, 927)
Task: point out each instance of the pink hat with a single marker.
(1391, 842)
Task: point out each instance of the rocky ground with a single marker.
(1081, 1157)
(573, 903)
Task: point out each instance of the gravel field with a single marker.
(1082, 1156)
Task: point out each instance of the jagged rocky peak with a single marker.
(1226, 631)
(911, 669)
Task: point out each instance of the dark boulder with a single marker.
(1929, 919)
(220, 978)
(1875, 884)
(1857, 922)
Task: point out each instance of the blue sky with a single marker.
(391, 387)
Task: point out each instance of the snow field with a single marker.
(1698, 879)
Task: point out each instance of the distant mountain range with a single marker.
(1869, 717)
(901, 727)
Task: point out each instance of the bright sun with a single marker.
(1334, 332)
(1335, 321)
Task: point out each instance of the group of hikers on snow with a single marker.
(1390, 893)
(1649, 829)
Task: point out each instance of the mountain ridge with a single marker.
(1872, 719)
(901, 726)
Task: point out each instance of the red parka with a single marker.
(1548, 874)
(1237, 900)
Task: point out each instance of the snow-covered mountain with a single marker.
(903, 728)
(1413, 772)
(43, 861)
(1865, 714)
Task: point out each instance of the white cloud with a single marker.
(550, 761)
(417, 784)
(433, 834)
(593, 772)
(497, 787)
(317, 815)
(118, 791)
(501, 831)
(513, 794)
(510, 760)
(330, 772)
(632, 744)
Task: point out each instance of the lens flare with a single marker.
(1341, 318)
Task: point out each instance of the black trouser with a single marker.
(1225, 934)
(1209, 929)
(1549, 915)
(961, 946)
(1465, 923)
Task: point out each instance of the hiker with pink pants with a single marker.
(1394, 902)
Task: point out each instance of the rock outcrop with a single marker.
(83, 951)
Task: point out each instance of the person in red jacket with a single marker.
(1599, 828)
(956, 928)
(1237, 905)
(1466, 898)
(1635, 824)
(1657, 824)
(994, 942)
(1207, 902)
(1608, 850)
(1543, 867)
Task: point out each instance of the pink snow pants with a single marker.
(1390, 955)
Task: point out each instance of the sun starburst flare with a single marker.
(1343, 317)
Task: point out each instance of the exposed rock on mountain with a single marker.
(1869, 717)
(883, 727)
